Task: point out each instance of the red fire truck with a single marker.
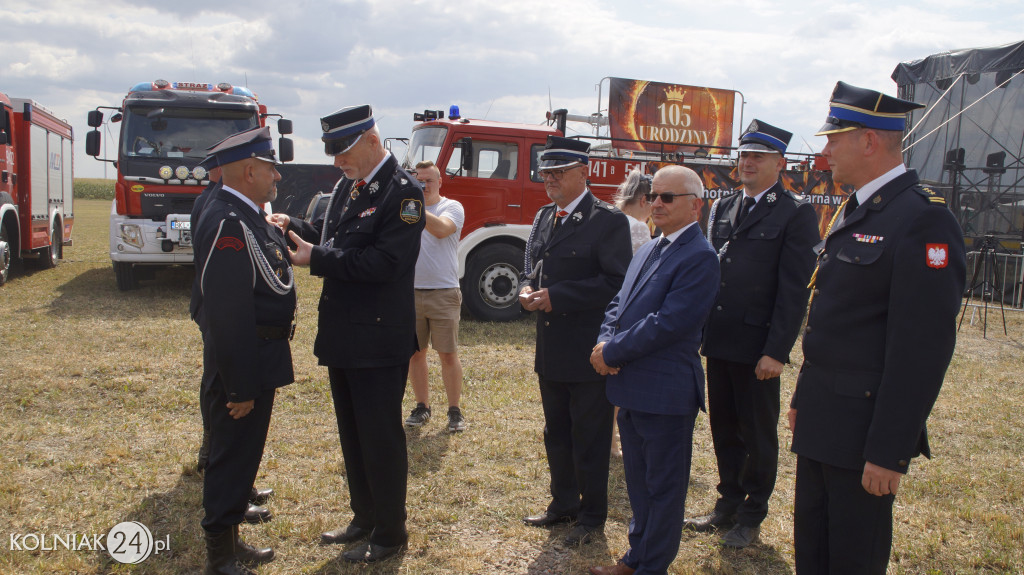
(36, 208)
(166, 128)
(491, 168)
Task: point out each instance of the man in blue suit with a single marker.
(648, 346)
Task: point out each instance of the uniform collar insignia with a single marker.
(577, 217)
(771, 197)
(877, 200)
(374, 187)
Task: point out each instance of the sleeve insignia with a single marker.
(938, 255)
(412, 211)
(229, 242)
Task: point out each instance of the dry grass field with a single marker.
(100, 424)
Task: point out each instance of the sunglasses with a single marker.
(666, 198)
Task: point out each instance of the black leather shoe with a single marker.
(713, 522)
(260, 496)
(249, 555)
(582, 534)
(740, 536)
(548, 519)
(370, 553)
(257, 514)
(343, 535)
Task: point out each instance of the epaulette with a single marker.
(930, 195)
(798, 198)
(603, 204)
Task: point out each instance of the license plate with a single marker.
(181, 225)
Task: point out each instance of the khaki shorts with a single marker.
(437, 318)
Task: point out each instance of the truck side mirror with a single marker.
(285, 149)
(467, 153)
(92, 142)
(95, 119)
(284, 126)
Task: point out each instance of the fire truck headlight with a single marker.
(132, 235)
(165, 172)
(199, 173)
(182, 172)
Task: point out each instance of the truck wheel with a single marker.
(51, 253)
(5, 256)
(490, 288)
(125, 274)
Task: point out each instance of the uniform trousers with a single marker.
(656, 454)
(578, 441)
(744, 418)
(236, 448)
(838, 527)
(368, 407)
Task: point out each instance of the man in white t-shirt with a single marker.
(438, 300)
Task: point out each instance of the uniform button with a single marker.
(817, 291)
(734, 236)
(326, 298)
(867, 394)
(547, 324)
(378, 320)
(856, 259)
(728, 260)
(546, 254)
(723, 284)
(762, 234)
(718, 307)
(824, 258)
(902, 462)
(574, 252)
(808, 330)
(545, 276)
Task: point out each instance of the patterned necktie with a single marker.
(653, 258)
(748, 202)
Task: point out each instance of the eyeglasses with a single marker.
(556, 174)
(666, 197)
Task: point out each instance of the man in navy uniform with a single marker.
(765, 239)
(648, 347)
(365, 248)
(576, 257)
(880, 334)
(255, 513)
(248, 306)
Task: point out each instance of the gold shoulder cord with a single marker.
(828, 230)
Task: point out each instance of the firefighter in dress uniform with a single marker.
(256, 512)
(765, 239)
(248, 306)
(880, 334)
(365, 247)
(576, 259)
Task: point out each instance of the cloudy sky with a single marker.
(498, 60)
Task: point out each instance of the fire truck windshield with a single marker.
(425, 145)
(180, 132)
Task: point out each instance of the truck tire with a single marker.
(125, 274)
(490, 288)
(49, 255)
(5, 256)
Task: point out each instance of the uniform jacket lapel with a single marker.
(567, 228)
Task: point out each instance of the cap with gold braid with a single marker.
(851, 108)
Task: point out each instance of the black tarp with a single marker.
(974, 102)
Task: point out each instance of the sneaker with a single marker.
(419, 416)
(455, 420)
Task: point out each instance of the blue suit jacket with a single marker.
(653, 332)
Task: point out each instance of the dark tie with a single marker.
(748, 202)
(653, 258)
(851, 205)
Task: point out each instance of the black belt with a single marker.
(275, 331)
